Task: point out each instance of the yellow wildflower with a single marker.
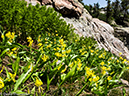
(102, 63)
(1, 83)
(58, 54)
(12, 76)
(54, 49)
(96, 78)
(44, 57)
(68, 51)
(117, 61)
(80, 50)
(124, 61)
(59, 67)
(2, 70)
(13, 35)
(48, 46)
(103, 72)
(10, 36)
(90, 79)
(63, 48)
(120, 53)
(58, 48)
(103, 68)
(38, 82)
(14, 49)
(39, 40)
(64, 70)
(46, 42)
(109, 78)
(64, 45)
(91, 51)
(30, 41)
(56, 34)
(40, 44)
(100, 56)
(71, 64)
(61, 41)
(79, 66)
(63, 52)
(2, 36)
(121, 58)
(89, 47)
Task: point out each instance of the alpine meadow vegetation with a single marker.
(51, 59)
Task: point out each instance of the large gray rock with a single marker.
(87, 26)
(123, 34)
(68, 8)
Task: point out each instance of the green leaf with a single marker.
(22, 77)
(19, 92)
(70, 74)
(33, 90)
(15, 66)
(4, 52)
(8, 76)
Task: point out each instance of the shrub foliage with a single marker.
(30, 20)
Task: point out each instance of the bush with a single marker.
(31, 20)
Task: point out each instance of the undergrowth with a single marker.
(51, 59)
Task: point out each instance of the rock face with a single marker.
(122, 34)
(74, 13)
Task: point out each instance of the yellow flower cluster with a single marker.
(79, 64)
(58, 54)
(30, 41)
(61, 41)
(12, 76)
(89, 72)
(12, 52)
(44, 57)
(104, 68)
(92, 77)
(10, 36)
(38, 82)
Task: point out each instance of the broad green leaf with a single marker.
(19, 92)
(22, 77)
(70, 73)
(16, 65)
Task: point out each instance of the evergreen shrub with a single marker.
(30, 20)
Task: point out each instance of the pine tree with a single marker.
(109, 12)
(124, 9)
